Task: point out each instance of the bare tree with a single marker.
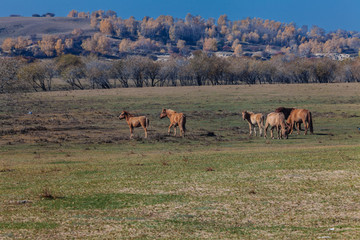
(136, 68)
(71, 69)
(37, 75)
(152, 71)
(120, 71)
(97, 72)
(8, 75)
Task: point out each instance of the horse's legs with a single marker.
(291, 127)
(145, 129)
(169, 130)
(254, 130)
(182, 133)
(260, 128)
(250, 129)
(272, 132)
(278, 131)
(305, 125)
(299, 126)
(265, 130)
(131, 132)
(175, 131)
(145, 132)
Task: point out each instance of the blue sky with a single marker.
(328, 14)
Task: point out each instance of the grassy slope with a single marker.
(26, 26)
(227, 186)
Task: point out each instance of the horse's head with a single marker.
(163, 113)
(244, 114)
(285, 132)
(123, 114)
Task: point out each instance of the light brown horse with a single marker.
(277, 120)
(176, 119)
(135, 122)
(300, 116)
(254, 118)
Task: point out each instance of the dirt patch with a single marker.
(85, 127)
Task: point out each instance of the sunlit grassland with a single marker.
(219, 185)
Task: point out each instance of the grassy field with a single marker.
(68, 169)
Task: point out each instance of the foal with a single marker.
(253, 119)
(135, 122)
(176, 119)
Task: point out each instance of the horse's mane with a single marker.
(129, 114)
(248, 112)
(170, 110)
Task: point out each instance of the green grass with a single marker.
(227, 186)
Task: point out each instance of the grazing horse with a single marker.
(300, 116)
(286, 112)
(176, 119)
(277, 120)
(135, 122)
(254, 118)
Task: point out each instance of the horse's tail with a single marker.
(310, 122)
(262, 121)
(147, 122)
(183, 122)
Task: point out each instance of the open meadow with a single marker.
(69, 171)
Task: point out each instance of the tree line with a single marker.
(75, 72)
(118, 37)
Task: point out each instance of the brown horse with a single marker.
(287, 112)
(277, 120)
(300, 116)
(254, 118)
(176, 119)
(135, 122)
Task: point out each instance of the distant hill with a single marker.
(28, 26)
(110, 36)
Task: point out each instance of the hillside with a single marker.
(12, 27)
(107, 35)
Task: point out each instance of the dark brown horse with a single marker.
(301, 116)
(135, 122)
(287, 112)
(176, 119)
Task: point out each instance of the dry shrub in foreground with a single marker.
(48, 195)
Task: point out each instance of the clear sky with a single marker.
(328, 14)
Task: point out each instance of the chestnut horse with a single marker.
(254, 118)
(300, 116)
(135, 122)
(176, 119)
(277, 120)
(286, 112)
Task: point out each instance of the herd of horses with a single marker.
(283, 119)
